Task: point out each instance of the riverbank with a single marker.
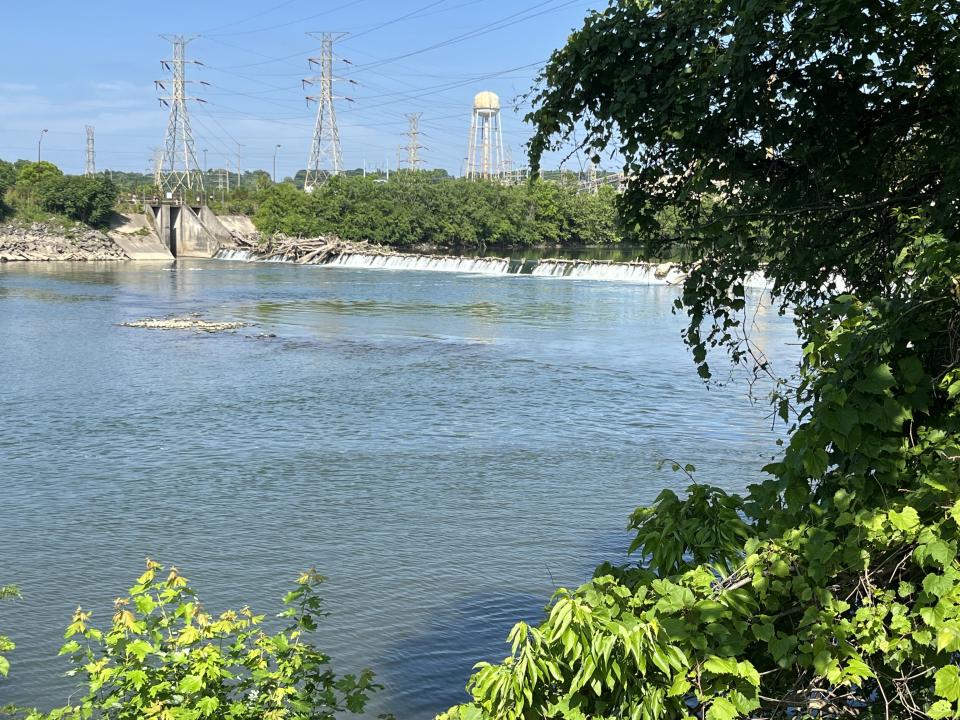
(43, 242)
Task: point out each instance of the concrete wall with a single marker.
(182, 231)
(194, 239)
(215, 227)
(137, 237)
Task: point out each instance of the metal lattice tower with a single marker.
(593, 183)
(326, 158)
(413, 146)
(91, 168)
(223, 181)
(157, 166)
(180, 173)
(485, 156)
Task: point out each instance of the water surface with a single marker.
(448, 449)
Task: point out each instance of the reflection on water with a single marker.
(448, 449)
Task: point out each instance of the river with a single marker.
(447, 448)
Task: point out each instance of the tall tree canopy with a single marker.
(817, 141)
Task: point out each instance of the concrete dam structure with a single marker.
(189, 231)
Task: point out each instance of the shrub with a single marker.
(165, 657)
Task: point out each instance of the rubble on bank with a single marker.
(43, 242)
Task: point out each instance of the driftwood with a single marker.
(316, 251)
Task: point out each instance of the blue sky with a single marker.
(66, 65)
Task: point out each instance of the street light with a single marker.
(277, 147)
(39, 142)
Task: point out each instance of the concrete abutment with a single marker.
(189, 231)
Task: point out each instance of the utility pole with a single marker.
(180, 173)
(40, 142)
(326, 158)
(91, 156)
(204, 161)
(413, 146)
(275, 148)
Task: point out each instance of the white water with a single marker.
(623, 272)
(632, 272)
(484, 266)
(245, 256)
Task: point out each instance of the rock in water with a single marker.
(184, 323)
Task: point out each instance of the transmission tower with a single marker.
(180, 174)
(413, 146)
(223, 181)
(91, 155)
(157, 166)
(326, 158)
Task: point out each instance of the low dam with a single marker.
(634, 272)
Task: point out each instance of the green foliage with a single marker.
(39, 189)
(165, 657)
(817, 142)
(8, 178)
(32, 174)
(88, 199)
(423, 209)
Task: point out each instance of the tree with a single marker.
(31, 174)
(8, 177)
(87, 199)
(818, 142)
(166, 656)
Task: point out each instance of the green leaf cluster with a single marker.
(165, 657)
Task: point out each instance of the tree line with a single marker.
(427, 209)
(26, 187)
(423, 209)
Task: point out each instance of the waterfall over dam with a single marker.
(632, 272)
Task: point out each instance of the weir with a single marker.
(643, 273)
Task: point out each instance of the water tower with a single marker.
(485, 158)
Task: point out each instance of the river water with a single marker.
(447, 448)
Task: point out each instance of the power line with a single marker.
(251, 17)
(344, 6)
